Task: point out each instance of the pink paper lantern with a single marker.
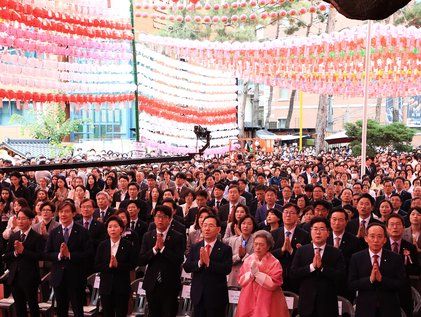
(215, 19)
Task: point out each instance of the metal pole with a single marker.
(300, 99)
(136, 103)
(365, 107)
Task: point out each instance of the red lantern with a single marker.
(194, 1)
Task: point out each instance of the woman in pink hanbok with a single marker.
(260, 280)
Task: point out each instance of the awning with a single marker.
(338, 137)
(267, 135)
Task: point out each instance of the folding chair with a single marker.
(233, 296)
(6, 304)
(345, 307)
(92, 308)
(46, 294)
(139, 297)
(185, 306)
(292, 302)
(416, 297)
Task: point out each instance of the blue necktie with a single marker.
(66, 235)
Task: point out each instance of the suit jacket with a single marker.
(24, 268)
(175, 225)
(115, 280)
(404, 195)
(248, 197)
(140, 229)
(81, 252)
(117, 197)
(142, 204)
(300, 237)
(109, 211)
(212, 202)
(261, 212)
(190, 218)
(209, 284)
(354, 224)
(349, 245)
(53, 224)
(97, 232)
(167, 263)
(318, 288)
(384, 294)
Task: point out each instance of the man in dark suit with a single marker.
(242, 183)
(174, 223)
(218, 199)
(122, 192)
(209, 261)
(270, 203)
(201, 201)
(135, 223)
(307, 174)
(225, 210)
(358, 226)
(259, 200)
(24, 250)
(387, 191)
(370, 168)
(133, 191)
(288, 238)
(97, 231)
(377, 274)
(395, 225)
(347, 243)
(151, 183)
(181, 188)
(163, 252)
(399, 189)
(69, 248)
(319, 268)
(104, 210)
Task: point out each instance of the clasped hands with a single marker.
(317, 261)
(64, 251)
(375, 275)
(204, 257)
(113, 262)
(18, 247)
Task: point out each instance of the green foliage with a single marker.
(410, 16)
(50, 123)
(395, 136)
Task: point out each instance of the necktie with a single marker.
(217, 204)
(86, 225)
(66, 234)
(102, 214)
(375, 260)
(362, 225)
(208, 249)
(317, 250)
(178, 191)
(288, 234)
(395, 247)
(132, 225)
(337, 242)
(22, 237)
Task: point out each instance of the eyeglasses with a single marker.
(319, 229)
(210, 226)
(161, 217)
(289, 212)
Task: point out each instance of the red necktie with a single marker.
(395, 247)
(337, 242)
(208, 249)
(376, 260)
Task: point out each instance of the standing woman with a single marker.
(261, 279)
(385, 210)
(53, 187)
(92, 186)
(242, 247)
(115, 258)
(18, 189)
(12, 224)
(6, 207)
(233, 229)
(61, 191)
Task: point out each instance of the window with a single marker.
(284, 94)
(282, 123)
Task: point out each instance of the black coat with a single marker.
(318, 289)
(209, 284)
(81, 253)
(97, 232)
(167, 263)
(140, 229)
(300, 238)
(349, 245)
(175, 225)
(115, 280)
(382, 294)
(110, 211)
(24, 267)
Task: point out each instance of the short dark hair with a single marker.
(84, 200)
(164, 209)
(396, 195)
(327, 205)
(252, 220)
(220, 186)
(115, 218)
(367, 196)
(373, 224)
(49, 204)
(151, 176)
(65, 203)
(124, 177)
(133, 202)
(340, 210)
(171, 201)
(27, 212)
(287, 205)
(134, 184)
(180, 175)
(202, 193)
(271, 189)
(260, 187)
(397, 216)
(217, 220)
(319, 219)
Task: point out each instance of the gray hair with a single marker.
(266, 235)
(105, 194)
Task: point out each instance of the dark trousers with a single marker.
(115, 305)
(201, 311)
(69, 292)
(162, 302)
(23, 294)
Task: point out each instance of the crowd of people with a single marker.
(264, 223)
